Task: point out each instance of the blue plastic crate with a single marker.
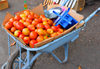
(65, 20)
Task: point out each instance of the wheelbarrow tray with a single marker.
(8, 16)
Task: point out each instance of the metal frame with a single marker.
(49, 47)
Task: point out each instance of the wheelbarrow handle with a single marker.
(90, 16)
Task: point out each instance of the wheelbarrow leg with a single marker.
(28, 58)
(66, 54)
(27, 65)
(66, 46)
(20, 58)
(9, 45)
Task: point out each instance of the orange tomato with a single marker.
(40, 38)
(34, 23)
(26, 12)
(26, 31)
(50, 31)
(17, 33)
(40, 31)
(54, 34)
(13, 29)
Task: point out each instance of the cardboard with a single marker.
(8, 16)
(72, 13)
(38, 10)
(3, 4)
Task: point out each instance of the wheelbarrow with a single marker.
(25, 57)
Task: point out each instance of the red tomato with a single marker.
(26, 24)
(47, 26)
(32, 42)
(26, 40)
(21, 36)
(32, 13)
(58, 26)
(40, 25)
(33, 35)
(40, 20)
(40, 38)
(36, 16)
(8, 25)
(44, 19)
(26, 12)
(17, 17)
(29, 20)
(30, 17)
(12, 20)
(15, 22)
(36, 19)
(42, 16)
(19, 26)
(34, 23)
(54, 28)
(31, 27)
(50, 22)
(13, 29)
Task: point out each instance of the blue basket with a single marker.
(65, 20)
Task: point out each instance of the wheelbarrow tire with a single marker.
(13, 57)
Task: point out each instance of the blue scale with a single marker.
(65, 20)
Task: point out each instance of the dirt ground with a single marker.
(84, 52)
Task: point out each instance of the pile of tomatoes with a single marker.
(32, 28)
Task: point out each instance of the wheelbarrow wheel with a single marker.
(13, 59)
